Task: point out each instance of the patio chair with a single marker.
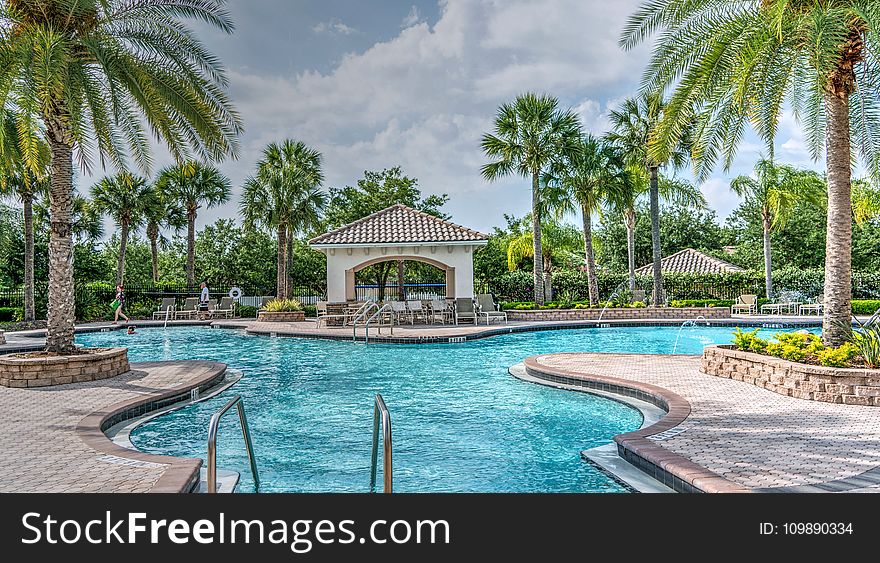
(464, 309)
(747, 302)
(189, 309)
(416, 310)
(440, 311)
(400, 311)
(639, 295)
(226, 308)
(168, 303)
(212, 307)
(323, 314)
(817, 307)
(488, 309)
(779, 307)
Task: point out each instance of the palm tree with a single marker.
(584, 182)
(739, 62)
(633, 128)
(192, 185)
(561, 242)
(625, 198)
(99, 74)
(162, 212)
(24, 177)
(124, 197)
(529, 135)
(85, 220)
(776, 190)
(285, 195)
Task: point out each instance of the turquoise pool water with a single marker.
(461, 422)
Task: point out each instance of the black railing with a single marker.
(370, 292)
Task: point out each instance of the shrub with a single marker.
(791, 352)
(283, 306)
(838, 357)
(9, 314)
(865, 307)
(866, 339)
(246, 311)
(310, 310)
(701, 303)
(749, 341)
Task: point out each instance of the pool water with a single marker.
(461, 423)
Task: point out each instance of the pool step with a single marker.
(227, 480)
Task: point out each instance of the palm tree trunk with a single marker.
(153, 235)
(630, 219)
(838, 241)
(655, 235)
(401, 294)
(123, 243)
(538, 263)
(27, 200)
(592, 282)
(191, 246)
(289, 268)
(768, 258)
(281, 278)
(60, 318)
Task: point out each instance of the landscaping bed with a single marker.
(42, 369)
(281, 316)
(592, 314)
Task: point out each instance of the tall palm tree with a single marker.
(560, 242)
(193, 185)
(85, 220)
(24, 177)
(739, 62)
(625, 199)
(124, 197)
(99, 74)
(529, 135)
(633, 127)
(583, 182)
(161, 213)
(776, 190)
(285, 194)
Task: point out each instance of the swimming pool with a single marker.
(461, 422)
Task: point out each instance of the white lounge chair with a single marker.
(168, 304)
(440, 311)
(488, 309)
(323, 314)
(416, 310)
(816, 308)
(747, 303)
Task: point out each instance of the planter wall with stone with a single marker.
(624, 313)
(850, 386)
(281, 317)
(20, 370)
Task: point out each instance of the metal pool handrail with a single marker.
(379, 407)
(382, 309)
(360, 314)
(213, 427)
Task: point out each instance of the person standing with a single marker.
(204, 297)
(118, 304)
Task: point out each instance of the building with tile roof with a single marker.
(399, 233)
(690, 261)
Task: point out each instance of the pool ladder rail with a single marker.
(378, 315)
(380, 411)
(214, 427)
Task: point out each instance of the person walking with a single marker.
(118, 304)
(204, 297)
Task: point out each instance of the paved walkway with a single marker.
(52, 439)
(750, 436)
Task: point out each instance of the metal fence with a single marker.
(370, 292)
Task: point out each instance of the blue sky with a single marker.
(416, 83)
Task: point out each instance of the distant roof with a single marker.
(396, 225)
(691, 261)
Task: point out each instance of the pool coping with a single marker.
(499, 330)
(182, 474)
(673, 470)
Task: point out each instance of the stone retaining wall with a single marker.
(618, 314)
(2, 338)
(58, 370)
(803, 381)
(281, 317)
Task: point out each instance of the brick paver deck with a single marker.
(753, 438)
(52, 440)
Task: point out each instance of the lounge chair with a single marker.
(323, 314)
(464, 309)
(226, 308)
(440, 311)
(212, 307)
(189, 309)
(488, 309)
(400, 311)
(780, 308)
(416, 310)
(747, 303)
(816, 308)
(168, 303)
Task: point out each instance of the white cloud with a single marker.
(412, 18)
(334, 26)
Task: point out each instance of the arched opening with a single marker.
(389, 278)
